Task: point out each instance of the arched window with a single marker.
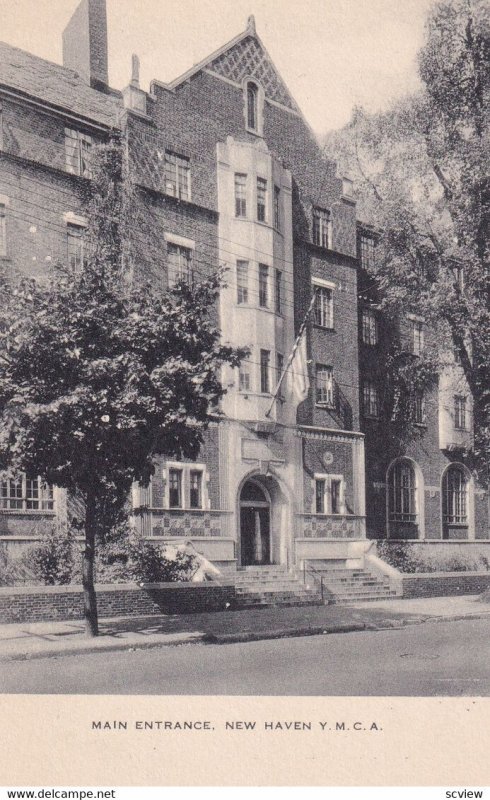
(252, 106)
(455, 497)
(402, 493)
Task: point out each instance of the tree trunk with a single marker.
(89, 596)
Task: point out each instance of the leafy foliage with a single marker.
(421, 170)
(99, 371)
(408, 557)
(148, 564)
(52, 561)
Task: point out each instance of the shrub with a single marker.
(53, 560)
(148, 564)
(8, 568)
(399, 555)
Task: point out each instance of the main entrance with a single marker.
(255, 529)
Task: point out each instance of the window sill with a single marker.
(325, 406)
(324, 328)
(422, 425)
(36, 512)
(371, 416)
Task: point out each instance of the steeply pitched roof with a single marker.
(242, 57)
(56, 85)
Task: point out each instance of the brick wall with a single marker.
(336, 348)
(441, 584)
(314, 462)
(206, 110)
(66, 602)
(36, 231)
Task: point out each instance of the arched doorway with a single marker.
(255, 525)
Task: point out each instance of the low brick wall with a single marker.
(444, 584)
(45, 603)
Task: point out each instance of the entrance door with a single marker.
(254, 526)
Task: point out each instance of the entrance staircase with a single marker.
(342, 585)
(273, 585)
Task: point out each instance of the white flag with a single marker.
(298, 372)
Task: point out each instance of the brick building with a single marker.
(422, 486)
(228, 174)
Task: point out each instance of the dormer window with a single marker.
(254, 102)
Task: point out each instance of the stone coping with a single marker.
(461, 573)
(77, 588)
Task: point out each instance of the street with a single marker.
(439, 658)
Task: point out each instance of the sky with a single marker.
(332, 54)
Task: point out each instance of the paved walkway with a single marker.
(50, 639)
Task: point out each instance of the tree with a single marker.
(99, 372)
(421, 170)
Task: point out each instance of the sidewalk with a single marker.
(51, 639)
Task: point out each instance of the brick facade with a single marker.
(424, 448)
(265, 449)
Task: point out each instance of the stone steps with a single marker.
(272, 586)
(350, 586)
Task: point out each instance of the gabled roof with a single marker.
(242, 57)
(55, 85)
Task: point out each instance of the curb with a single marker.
(90, 650)
(284, 633)
(237, 638)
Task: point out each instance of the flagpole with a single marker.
(292, 354)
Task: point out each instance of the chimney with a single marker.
(85, 43)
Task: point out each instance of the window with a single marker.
(323, 306)
(242, 282)
(460, 412)
(261, 199)
(195, 485)
(321, 227)
(336, 496)
(458, 274)
(240, 195)
(329, 494)
(77, 153)
(177, 176)
(320, 485)
(175, 488)
(179, 261)
(277, 208)
(324, 385)
(369, 326)
(455, 497)
(244, 378)
(278, 291)
(402, 493)
(370, 400)
(418, 408)
(279, 370)
(77, 257)
(26, 494)
(368, 252)
(1, 126)
(265, 357)
(263, 285)
(3, 229)
(252, 105)
(417, 328)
